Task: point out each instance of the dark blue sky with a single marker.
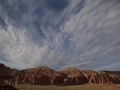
(84, 34)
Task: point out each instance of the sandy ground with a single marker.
(75, 87)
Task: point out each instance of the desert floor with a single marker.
(75, 87)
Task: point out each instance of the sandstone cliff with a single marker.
(41, 70)
(45, 76)
(6, 71)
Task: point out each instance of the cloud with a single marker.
(95, 32)
(60, 34)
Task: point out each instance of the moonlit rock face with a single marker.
(83, 34)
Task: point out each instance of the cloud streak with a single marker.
(60, 34)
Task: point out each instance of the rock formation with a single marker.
(57, 80)
(75, 76)
(45, 76)
(6, 71)
(104, 78)
(43, 70)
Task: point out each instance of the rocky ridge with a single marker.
(43, 75)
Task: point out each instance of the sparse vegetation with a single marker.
(75, 87)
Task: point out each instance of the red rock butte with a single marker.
(43, 75)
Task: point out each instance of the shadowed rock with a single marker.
(7, 87)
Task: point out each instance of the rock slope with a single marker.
(43, 75)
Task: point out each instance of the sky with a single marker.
(83, 34)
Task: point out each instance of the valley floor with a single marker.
(75, 87)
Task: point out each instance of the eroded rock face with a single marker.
(45, 76)
(57, 80)
(22, 79)
(6, 71)
(104, 78)
(114, 73)
(76, 77)
(42, 80)
(43, 70)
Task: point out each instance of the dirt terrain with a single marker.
(74, 87)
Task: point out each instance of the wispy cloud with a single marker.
(60, 33)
